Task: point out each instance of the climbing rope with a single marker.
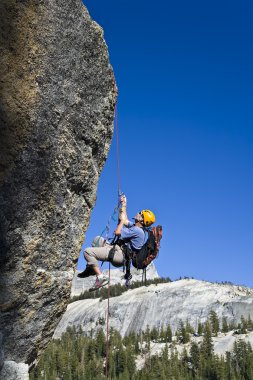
(106, 230)
(107, 324)
(116, 208)
(117, 147)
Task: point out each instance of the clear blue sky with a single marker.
(184, 71)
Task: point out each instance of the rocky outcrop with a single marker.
(160, 305)
(14, 371)
(57, 103)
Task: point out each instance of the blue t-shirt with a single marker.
(134, 236)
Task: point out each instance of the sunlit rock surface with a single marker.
(14, 371)
(160, 305)
(57, 99)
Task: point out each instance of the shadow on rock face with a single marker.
(57, 104)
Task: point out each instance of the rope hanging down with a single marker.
(119, 193)
(106, 230)
(107, 324)
(117, 147)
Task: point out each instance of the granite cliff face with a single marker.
(57, 104)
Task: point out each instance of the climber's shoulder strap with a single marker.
(127, 263)
(115, 240)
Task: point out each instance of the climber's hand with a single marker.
(122, 215)
(123, 200)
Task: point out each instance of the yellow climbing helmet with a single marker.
(148, 217)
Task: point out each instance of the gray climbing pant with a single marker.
(93, 254)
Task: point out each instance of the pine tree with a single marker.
(154, 334)
(228, 364)
(182, 335)
(136, 346)
(249, 324)
(120, 360)
(200, 328)
(214, 322)
(224, 328)
(165, 355)
(111, 365)
(168, 334)
(184, 357)
(161, 334)
(207, 344)
(100, 344)
(231, 326)
(243, 325)
(242, 360)
(146, 333)
(189, 328)
(130, 362)
(195, 356)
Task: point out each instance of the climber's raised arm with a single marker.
(119, 227)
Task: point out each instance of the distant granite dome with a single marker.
(160, 305)
(57, 100)
(79, 285)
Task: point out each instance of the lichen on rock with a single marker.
(57, 101)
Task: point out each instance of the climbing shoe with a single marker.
(101, 281)
(88, 271)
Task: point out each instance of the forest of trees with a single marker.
(77, 356)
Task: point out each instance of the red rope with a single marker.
(108, 296)
(117, 143)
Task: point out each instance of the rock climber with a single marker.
(131, 234)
